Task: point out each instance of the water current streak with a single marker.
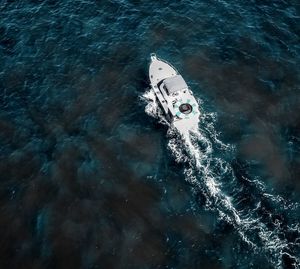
(213, 177)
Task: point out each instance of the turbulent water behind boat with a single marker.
(89, 180)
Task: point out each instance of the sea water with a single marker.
(91, 174)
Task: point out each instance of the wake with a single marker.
(212, 176)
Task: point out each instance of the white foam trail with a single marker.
(196, 149)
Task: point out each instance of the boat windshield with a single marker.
(174, 84)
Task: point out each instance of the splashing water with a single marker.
(209, 174)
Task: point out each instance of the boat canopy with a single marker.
(175, 83)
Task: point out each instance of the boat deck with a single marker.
(159, 70)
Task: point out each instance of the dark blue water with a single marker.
(89, 180)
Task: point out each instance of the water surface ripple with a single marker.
(89, 180)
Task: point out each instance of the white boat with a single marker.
(173, 94)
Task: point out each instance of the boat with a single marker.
(173, 94)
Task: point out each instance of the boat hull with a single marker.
(173, 94)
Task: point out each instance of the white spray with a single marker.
(196, 149)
